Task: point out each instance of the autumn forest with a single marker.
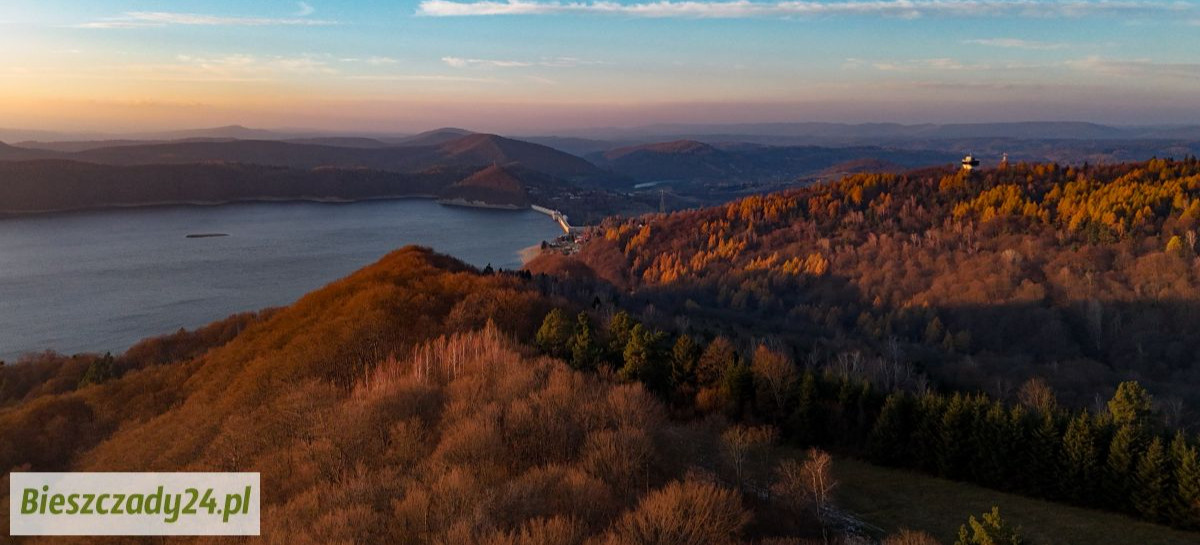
(694, 377)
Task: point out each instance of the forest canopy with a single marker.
(1084, 275)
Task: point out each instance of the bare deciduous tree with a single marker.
(807, 486)
(739, 444)
(775, 376)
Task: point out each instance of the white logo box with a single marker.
(71, 504)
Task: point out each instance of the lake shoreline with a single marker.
(480, 204)
(6, 214)
(100, 281)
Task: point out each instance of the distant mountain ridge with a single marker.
(697, 161)
(703, 164)
(14, 153)
(434, 137)
(471, 150)
(818, 132)
(56, 185)
(229, 131)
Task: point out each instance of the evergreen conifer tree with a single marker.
(644, 360)
(1185, 501)
(552, 337)
(737, 386)
(991, 441)
(1041, 457)
(927, 439)
(954, 455)
(888, 442)
(1119, 467)
(1081, 461)
(802, 425)
(1130, 405)
(1151, 481)
(99, 371)
(684, 355)
(619, 328)
(582, 345)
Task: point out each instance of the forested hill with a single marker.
(1084, 274)
(399, 405)
(55, 185)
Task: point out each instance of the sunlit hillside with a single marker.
(1086, 275)
(398, 406)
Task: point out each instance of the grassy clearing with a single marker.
(893, 499)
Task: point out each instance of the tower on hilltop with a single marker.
(969, 162)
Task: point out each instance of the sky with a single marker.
(537, 66)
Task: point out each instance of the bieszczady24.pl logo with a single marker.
(134, 504)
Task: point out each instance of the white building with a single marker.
(969, 162)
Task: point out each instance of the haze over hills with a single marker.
(208, 171)
(846, 133)
(710, 164)
(433, 137)
(469, 150)
(223, 132)
(1068, 142)
(698, 161)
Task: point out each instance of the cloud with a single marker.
(380, 61)
(801, 8)
(144, 19)
(942, 64)
(459, 62)
(422, 77)
(549, 62)
(948, 66)
(245, 68)
(304, 9)
(109, 24)
(1016, 43)
(1138, 68)
(372, 61)
(227, 68)
(567, 62)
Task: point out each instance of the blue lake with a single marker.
(100, 281)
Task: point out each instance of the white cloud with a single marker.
(801, 8)
(549, 62)
(171, 18)
(1142, 69)
(1137, 68)
(110, 24)
(143, 19)
(373, 61)
(914, 65)
(567, 62)
(304, 9)
(459, 62)
(380, 61)
(227, 68)
(1016, 43)
(422, 77)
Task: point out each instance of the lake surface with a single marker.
(100, 281)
